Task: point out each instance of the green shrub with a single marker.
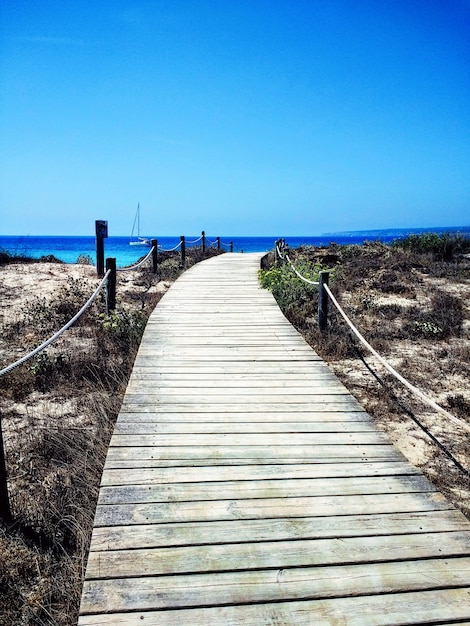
(286, 286)
(125, 326)
(444, 246)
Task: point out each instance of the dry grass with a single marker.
(414, 308)
(58, 412)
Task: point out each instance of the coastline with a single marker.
(69, 248)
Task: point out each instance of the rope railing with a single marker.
(415, 390)
(283, 255)
(324, 289)
(60, 332)
(194, 241)
(162, 249)
(139, 264)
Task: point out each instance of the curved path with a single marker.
(245, 486)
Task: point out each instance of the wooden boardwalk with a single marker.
(245, 486)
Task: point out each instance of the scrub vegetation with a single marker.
(411, 301)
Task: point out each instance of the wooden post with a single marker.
(276, 251)
(218, 243)
(5, 510)
(323, 301)
(183, 251)
(111, 290)
(154, 243)
(101, 232)
(203, 242)
(231, 246)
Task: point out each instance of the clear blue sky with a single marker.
(240, 117)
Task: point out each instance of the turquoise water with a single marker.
(68, 249)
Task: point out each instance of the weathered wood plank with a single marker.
(161, 476)
(157, 427)
(242, 587)
(338, 403)
(275, 555)
(424, 607)
(274, 529)
(248, 454)
(328, 418)
(168, 512)
(248, 439)
(267, 488)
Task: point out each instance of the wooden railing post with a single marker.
(231, 246)
(218, 243)
(101, 232)
(323, 279)
(203, 242)
(111, 289)
(5, 509)
(183, 251)
(154, 243)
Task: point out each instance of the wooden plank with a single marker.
(157, 427)
(424, 607)
(267, 488)
(161, 476)
(196, 440)
(242, 587)
(219, 455)
(275, 555)
(339, 403)
(316, 418)
(275, 529)
(169, 512)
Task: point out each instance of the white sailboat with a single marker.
(140, 241)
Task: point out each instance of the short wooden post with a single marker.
(323, 280)
(111, 289)
(203, 242)
(5, 509)
(183, 251)
(101, 232)
(218, 243)
(154, 243)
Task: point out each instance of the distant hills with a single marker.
(399, 232)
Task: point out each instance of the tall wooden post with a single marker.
(218, 243)
(276, 251)
(5, 509)
(154, 244)
(101, 232)
(323, 280)
(231, 246)
(183, 251)
(111, 290)
(203, 242)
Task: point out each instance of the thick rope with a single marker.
(137, 265)
(170, 249)
(293, 268)
(191, 243)
(51, 340)
(417, 392)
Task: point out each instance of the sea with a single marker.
(69, 248)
